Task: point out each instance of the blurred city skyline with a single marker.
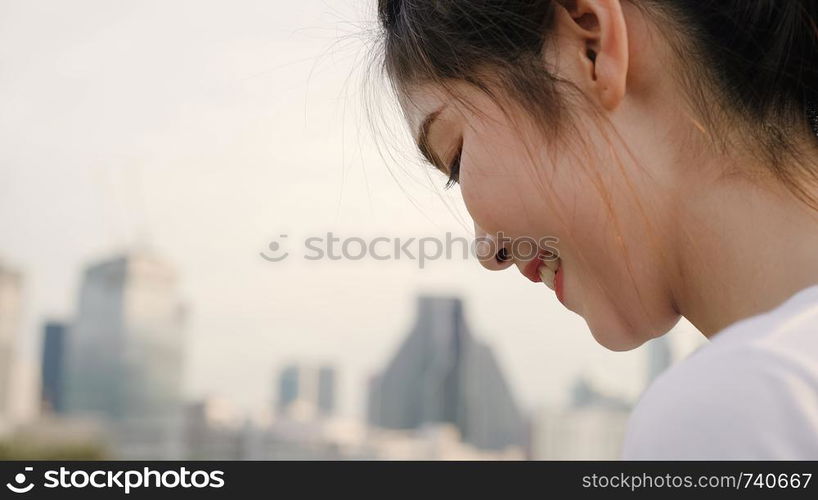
(111, 386)
(205, 130)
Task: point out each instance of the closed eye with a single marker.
(454, 168)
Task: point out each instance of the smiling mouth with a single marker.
(543, 269)
(547, 269)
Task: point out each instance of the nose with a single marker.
(494, 255)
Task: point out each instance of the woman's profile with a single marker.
(671, 148)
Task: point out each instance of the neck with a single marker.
(744, 248)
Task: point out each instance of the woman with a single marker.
(671, 147)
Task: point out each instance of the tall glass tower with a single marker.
(124, 352)
(308, 390)
(441, 373)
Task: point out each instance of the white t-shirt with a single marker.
(752, 394)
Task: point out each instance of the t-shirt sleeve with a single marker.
(737, 404)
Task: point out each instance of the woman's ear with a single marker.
(598, 28)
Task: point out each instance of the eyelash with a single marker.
(454, 169)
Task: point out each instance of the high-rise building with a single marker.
(10, 303)
(592, 427)
(212, 431)
(306, 391)
(125, 348)
(660, 357)
(326, 390)
(440, 374)
(52, 366)
(586, 394)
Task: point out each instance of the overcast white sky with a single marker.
(206, 128)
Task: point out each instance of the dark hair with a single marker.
(747, 63)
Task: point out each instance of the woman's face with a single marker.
(608, 218)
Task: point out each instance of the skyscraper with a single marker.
(306, 391)
(125, 349)
(592, 427)
(660, 357)
(52, 365)
(10, 301)
(441, 373)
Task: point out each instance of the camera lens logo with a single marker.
(20, 478)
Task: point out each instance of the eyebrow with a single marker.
(423, 137)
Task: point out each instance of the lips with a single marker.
(547, 269)
(531, 269)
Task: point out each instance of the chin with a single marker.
(618, 333)
(615, 340)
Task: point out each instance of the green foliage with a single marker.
(23, 449)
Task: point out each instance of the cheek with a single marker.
(619, 276)
(614, 279)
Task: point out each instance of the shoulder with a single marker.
(734, 399)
